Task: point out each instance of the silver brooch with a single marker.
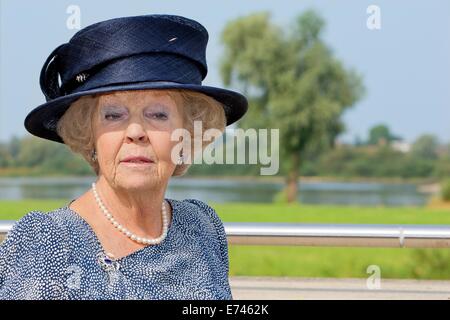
(81, 77)
(111, 267)
(107, 262)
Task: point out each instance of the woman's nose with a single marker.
(135, 132)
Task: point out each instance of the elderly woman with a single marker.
(115, 94)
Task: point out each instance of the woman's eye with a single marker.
(158, 115)
(113, 116)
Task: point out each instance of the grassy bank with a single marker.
(312, 261)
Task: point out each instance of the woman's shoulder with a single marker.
(37, 233)
(45, 235)
(201, 211)
(199, 215)
(38, 225)
(204, 219)
(33, 257)
(31, 226)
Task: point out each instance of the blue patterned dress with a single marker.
(57, 255)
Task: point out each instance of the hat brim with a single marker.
(42, 120)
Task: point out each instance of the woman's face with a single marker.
(132, 124)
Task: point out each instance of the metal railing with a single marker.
(327, 235)
(339, 235)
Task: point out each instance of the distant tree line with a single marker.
(383, 155)
(376, 157)
(379, 161)
(32, 156)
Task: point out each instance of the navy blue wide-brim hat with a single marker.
(131, 53)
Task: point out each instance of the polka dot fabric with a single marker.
(57, 255)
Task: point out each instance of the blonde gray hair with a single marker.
(76, 126)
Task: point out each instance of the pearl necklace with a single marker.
(128, 233)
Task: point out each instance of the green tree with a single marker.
(14, 146)
(33, 151)
(48, 157)
(381, 134)
(293, 82)
(6, 159)
(425, 147)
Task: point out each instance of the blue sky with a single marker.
(405, 64)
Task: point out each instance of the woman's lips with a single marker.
(137, 161)
(136, 164)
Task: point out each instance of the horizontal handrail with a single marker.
(339, 235)
(327, 235)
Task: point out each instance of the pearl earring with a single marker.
(180, 160)
(94, 155)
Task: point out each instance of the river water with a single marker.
(229, 190)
